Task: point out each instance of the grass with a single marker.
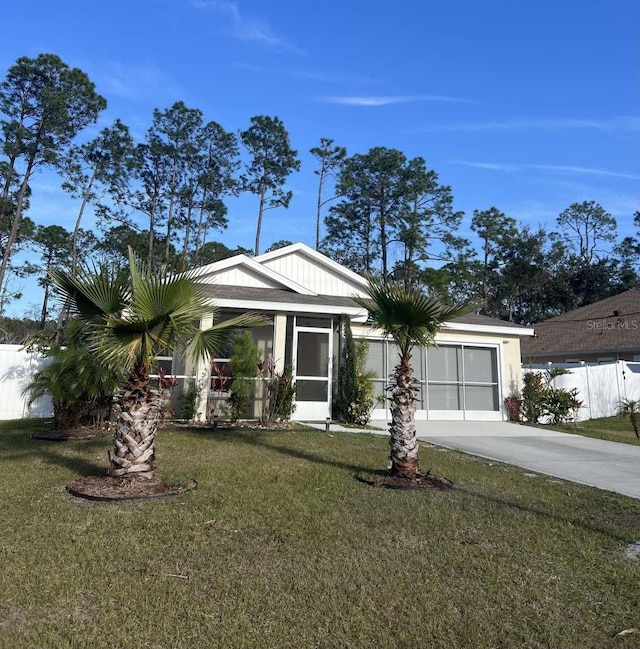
(281, 547)
(614, 429)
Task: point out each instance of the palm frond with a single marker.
(409, 317)
(93, 293)
(209, 342)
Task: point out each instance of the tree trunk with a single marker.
(15, 226)
(263, 191)
(139, 408)
(404, 440)
(319, 207)
(76, 229)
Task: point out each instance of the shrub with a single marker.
(81, 389)
(629, 409)
(533, 397)
(558, 404)
(513, 405)
(355, 398)
(282, 391)
(189, 400)
(359, 410)
(541, 399)
(244, 370)
(347, 378)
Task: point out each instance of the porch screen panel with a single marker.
(311, 390)
(313, 354)
(445, 363)
(481, 397)
(376, 363)
(444, 374)
(480, 365)
(480, 378)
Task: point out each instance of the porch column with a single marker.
(202, 373)
(279, 340)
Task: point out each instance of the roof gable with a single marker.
(314, 270)
(241, 270)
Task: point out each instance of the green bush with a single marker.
(189, 400)
(355, 398)
(244, 370)
(281, 392)
(541, 399)
(359, 410)
(81, 389)
(533, 396)
(347, 393)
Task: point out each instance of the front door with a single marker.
(312, 370)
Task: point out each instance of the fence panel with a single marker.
(600, 387)
(17, 366)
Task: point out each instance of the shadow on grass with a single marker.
(527, 509)
(254, 438)
(18, 445)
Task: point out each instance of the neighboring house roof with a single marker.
(610, 325)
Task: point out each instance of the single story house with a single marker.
(305, 295)
(602, 332)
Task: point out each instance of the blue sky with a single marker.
(528, 106)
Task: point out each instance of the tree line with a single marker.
(383, 214)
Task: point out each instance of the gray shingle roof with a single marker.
(284, 297)
(612, 324)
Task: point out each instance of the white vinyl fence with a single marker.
(600, 387)
(17, 366)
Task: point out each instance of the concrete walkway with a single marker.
(607, 465)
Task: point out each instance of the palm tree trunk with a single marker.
(139, 408)
(404, 440)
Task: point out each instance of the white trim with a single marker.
(488, 329)
(313, 410)
(243, 260)
(288, 307)
(316, 256)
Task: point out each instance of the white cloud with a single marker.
(631, 124)
(246, 28)
(584, 170)
(566, 169)
(387, 100)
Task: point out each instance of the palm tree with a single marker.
(129, 321)
(411, 319)
(81, 389)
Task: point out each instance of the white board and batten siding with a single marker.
(242, 276)
(17, 367)
(317, 277)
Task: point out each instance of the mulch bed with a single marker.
(133, 488)
(421, 481)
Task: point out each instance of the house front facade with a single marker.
(305, 297)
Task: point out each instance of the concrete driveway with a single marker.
(607, 465)
(595, 462)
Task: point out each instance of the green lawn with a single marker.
(614, 429)
(280, 546)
